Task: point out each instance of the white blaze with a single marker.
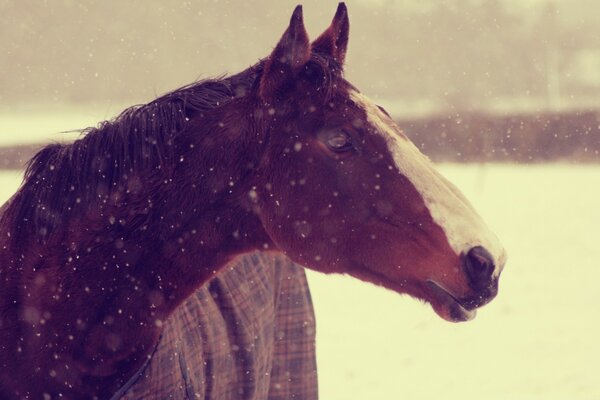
(464, 228)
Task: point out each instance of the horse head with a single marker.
(341, 189)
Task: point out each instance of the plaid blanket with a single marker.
(247, 334)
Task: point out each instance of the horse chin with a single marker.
(443, 302)
(446, 305)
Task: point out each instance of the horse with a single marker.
(109, 234)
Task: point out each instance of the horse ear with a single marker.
(334, 41)
(289, 56)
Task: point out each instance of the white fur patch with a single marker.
(464, 228)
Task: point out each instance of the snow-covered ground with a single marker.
(33, 127)
(538, 340)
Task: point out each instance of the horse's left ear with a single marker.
(289, 56)
(334, 41)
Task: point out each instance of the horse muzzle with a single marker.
(480, 270)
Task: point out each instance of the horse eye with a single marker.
(339, 141)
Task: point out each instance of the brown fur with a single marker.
(108, 235)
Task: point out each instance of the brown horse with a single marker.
(108, 235)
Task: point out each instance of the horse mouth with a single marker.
(447, 306)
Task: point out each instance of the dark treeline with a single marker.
(15, 157)
(472, 137)
(478, 137)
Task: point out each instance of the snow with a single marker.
(537, 340)
(9, 183)
(25, 127)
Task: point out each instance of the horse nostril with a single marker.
(479, 266)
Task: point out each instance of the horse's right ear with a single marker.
(334, 41)
(289, 56)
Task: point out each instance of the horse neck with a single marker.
(203, 216)
(134, 261)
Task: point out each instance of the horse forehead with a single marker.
(381, 123)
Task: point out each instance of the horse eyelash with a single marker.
(383, 110)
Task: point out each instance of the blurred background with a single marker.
(504, 94)
(458, 73)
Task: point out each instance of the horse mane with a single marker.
(61, 176)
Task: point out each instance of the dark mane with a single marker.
(60, 176)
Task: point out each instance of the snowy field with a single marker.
(59, 124)
(538, 340)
